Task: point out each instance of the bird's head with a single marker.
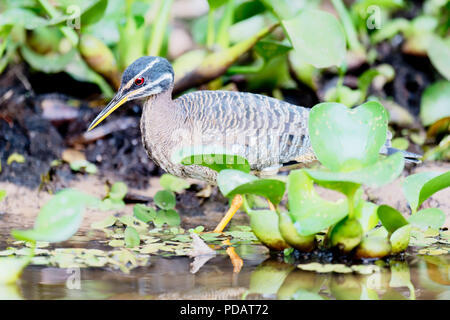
(147, 76)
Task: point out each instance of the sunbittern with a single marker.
(268, 132)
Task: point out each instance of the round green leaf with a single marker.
(165, 199)
(118, 191)
(233, 182)
(439, 53)
(144, 213)
(346, 139)
(428, 218)
(435, 103)
(317, 37)
(172, 218)
(391, 218)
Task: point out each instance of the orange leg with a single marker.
(235, 259)
(235, 205)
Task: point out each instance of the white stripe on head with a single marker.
(165, 76)
(131, 81)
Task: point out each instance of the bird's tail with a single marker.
(388, 150)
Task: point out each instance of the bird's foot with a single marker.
(236, 203)
(237, 261)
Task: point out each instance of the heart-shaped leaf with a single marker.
(346, 139)
(391, 218)
(165, 199)
(307, 209)
(420, 186)
(233, 182)
(213, 157)
(58, 219)
(144, 213)
(435, 103)
(317, 37)
(428, 218)
(132, 238)
(376, 175)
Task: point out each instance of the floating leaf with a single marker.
(420, 186)
(118, 191)
(172, 183)
(105, 223)
(310, 213)
(144, 213)
(317, 37)
(400, 239)
(373, 247)
(435, 102)
(345, 235)
(346, 139)
(264, 225)
(391, 218)
(428, 218)
(165, 199)
(132, 238)
(233, 182)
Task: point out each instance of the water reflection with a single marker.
(261, 278)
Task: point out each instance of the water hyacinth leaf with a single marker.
(310, 213)
(213, 157)
(172, 183)
(165, 199)
(375, 175)
(433, 218)
(420, 186)
(118, 191)
(144, 213)
(435, 102)
(59, 218)
(47, 63)
(345, 235)
(132, 238)
(438, 52)
(366, 214)
(400, 239)
(233, 182)
(346, 139)
(269, 49)
(391, 218)
(317, 37)
(94, 13)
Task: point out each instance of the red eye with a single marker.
(139, 81)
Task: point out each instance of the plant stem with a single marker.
(351, 206)
(350, 30)
(159, 28)
(223, 36)
(211, 32)
(245, 205)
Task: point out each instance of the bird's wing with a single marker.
(267, 131)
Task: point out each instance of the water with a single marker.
(261, 277)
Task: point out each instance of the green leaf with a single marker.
(346, 139)
(172, 183)
(264, 224)
(269, 49)
(366, 213)
(435, 102)
(391, 218)
(213, 157)
(317, 37)
(310, 213)
(118, 191)
(233, 182)
(87, 166)
(144, 213)
(51, 63)
(439, 53)
(214, 4)
(375, 175)
(23, 17)
(428, 218)
(59, 218)
(165, 199)
(420, 186)
(169, 217)
(94, 13)
(2, 194)
(132, 238)
(345, 235)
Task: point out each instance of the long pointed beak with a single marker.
(116, 102)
